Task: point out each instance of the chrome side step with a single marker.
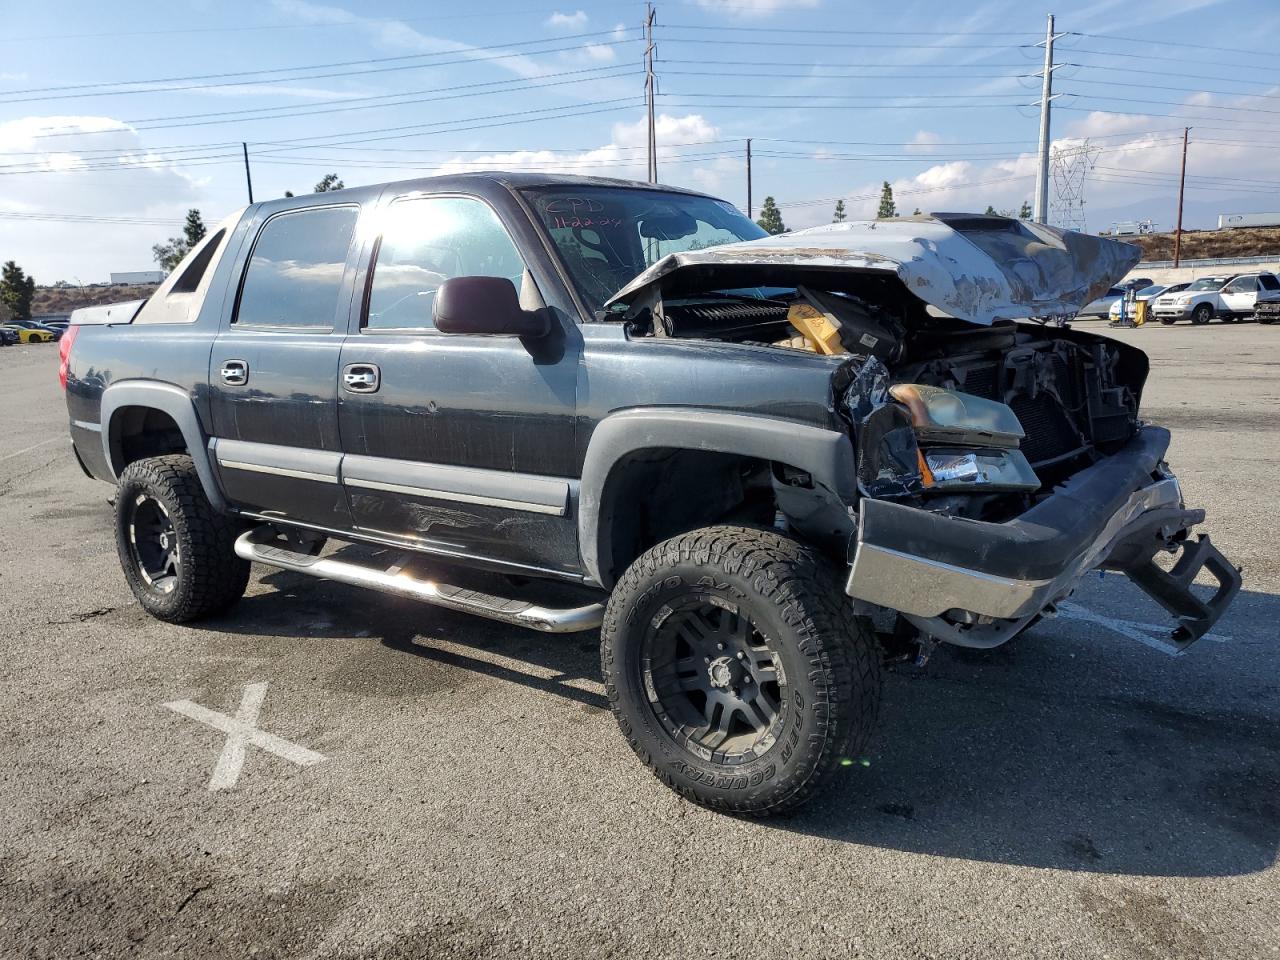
(261, 546)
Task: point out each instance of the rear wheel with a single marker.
(1202, 314)
(737, 670)
(177, 552)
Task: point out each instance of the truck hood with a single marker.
(971, 267)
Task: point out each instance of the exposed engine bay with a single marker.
(1074, 395)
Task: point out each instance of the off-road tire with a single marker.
(210, 577)
(830, 657)
(1202, 314)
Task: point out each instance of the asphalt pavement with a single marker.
(399, 781)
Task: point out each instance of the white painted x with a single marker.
(242, 730)
(1145, 633)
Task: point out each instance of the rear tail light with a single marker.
(64, 354)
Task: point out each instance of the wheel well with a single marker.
(141, 432)
(654, 494)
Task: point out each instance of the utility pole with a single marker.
(247, 179)
(748, 178)
(650, 83)
(1182, 185)
(1041, 213)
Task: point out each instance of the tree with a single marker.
(170, 254)
(16, 290)
(887, 208)
(1025, 212)
(329, 182)
(990, 211)
(288, 193)
(771, 217)
(193, 230)
(839, 215)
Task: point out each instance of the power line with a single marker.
(237, 78)
(348, 24)
(151, 124)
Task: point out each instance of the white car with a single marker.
(1229, 297)
(1147, 294)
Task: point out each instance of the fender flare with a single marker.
(827, 455)
(168, 399)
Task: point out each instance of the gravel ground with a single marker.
(1075, 794)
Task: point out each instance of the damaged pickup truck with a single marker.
(762, 465)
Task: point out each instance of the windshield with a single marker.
(606, 236)
(1208, 283)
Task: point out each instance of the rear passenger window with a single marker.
(295, 273)
(1269, 282)
(426, 241)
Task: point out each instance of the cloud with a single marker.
(925, 141)
(398, 35)
(623, 156)
(568, 21)
(119, 178)
(757, 8)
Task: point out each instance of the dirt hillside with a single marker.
(1205, 244)
(51, 300)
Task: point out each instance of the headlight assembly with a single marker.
(957, 418)
(990, 470)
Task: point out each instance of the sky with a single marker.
(115, 119)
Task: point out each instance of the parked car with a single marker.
(1146, 294)
(8, 336)
(1267, 308)
(737, 451)
(1100, 307)
(1230, 298)
(31, 332)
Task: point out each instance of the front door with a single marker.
(460, 444)
(273, 373)
(1240, 295)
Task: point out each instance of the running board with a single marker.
(260, 546)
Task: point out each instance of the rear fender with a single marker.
(170, 400)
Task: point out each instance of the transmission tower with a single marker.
(1070, 167)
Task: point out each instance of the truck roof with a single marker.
(509, 179)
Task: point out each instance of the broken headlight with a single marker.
(992, 470)
(959, 418)
(965, 442)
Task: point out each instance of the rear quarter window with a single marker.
(294, 276)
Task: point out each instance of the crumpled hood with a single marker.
(971, 267)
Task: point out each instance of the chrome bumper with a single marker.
(917, 585)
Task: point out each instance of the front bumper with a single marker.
(1171, 312)
(1117, 514)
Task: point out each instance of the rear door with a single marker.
(461, 444)
(274, 369)
(1239, 295)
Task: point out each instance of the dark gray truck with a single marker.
(762, 465)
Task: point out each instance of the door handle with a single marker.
(361, 378)
(234, 372)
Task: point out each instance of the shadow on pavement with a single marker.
(1048, 752)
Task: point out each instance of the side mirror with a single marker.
(486, 305)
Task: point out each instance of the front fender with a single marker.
(826, 455)
(168, 399)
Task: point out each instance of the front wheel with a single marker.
(177, 551)
(1202, 314)
(737, 670)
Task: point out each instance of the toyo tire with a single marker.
(176, 550)
(737, 670)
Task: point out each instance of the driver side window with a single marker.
(426, 241)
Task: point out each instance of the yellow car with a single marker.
(29, 331)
